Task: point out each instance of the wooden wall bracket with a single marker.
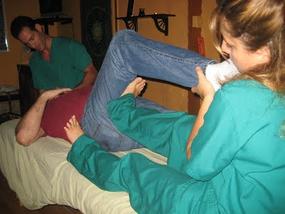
(160, 21)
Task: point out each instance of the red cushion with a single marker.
(59, 110)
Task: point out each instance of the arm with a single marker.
(82, 61)
(206, 91)
(90, 74)
(29, 128)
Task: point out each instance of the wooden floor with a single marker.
(9, 203)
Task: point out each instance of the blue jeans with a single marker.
(128, 56)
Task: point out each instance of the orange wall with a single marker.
(178, 25)
(72, 9)
(9, 59)
(173, 97)
(16, 55)
(207, 8)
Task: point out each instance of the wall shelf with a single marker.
(160, 21)
(46, 21)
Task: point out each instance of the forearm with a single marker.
(28, 128)
(206, 102)
(89, 77)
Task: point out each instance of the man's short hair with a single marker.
(19, 22)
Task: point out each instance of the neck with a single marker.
(46, 51)
(47, 42)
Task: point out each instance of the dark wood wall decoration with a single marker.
(131, 20)
(96, 27)
(3, 29)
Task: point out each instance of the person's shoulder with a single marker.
(244, 88)
(245, 94)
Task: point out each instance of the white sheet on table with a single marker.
(40, 175)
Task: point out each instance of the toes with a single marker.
(75, 121)
(72, 121)
(140, 86)
(138, 79)
(68, 125)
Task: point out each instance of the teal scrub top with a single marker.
(237, 163)
(238, 154)
(68, 60)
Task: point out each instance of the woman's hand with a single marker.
(204, 88)
(206, 91)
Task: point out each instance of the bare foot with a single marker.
(73, 129)
(135, 87)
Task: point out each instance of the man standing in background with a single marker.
(57, 62)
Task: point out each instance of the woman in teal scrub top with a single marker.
(228, 159)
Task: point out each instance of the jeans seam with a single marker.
(179, 59)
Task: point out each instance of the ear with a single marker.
(39, 28)
(264, 54)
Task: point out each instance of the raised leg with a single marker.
(128, 56)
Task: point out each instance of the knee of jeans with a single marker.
(120, 36)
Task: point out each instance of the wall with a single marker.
(72, 9)
(207, 7)
(9, 59)
(16, 55)
(173, 97)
